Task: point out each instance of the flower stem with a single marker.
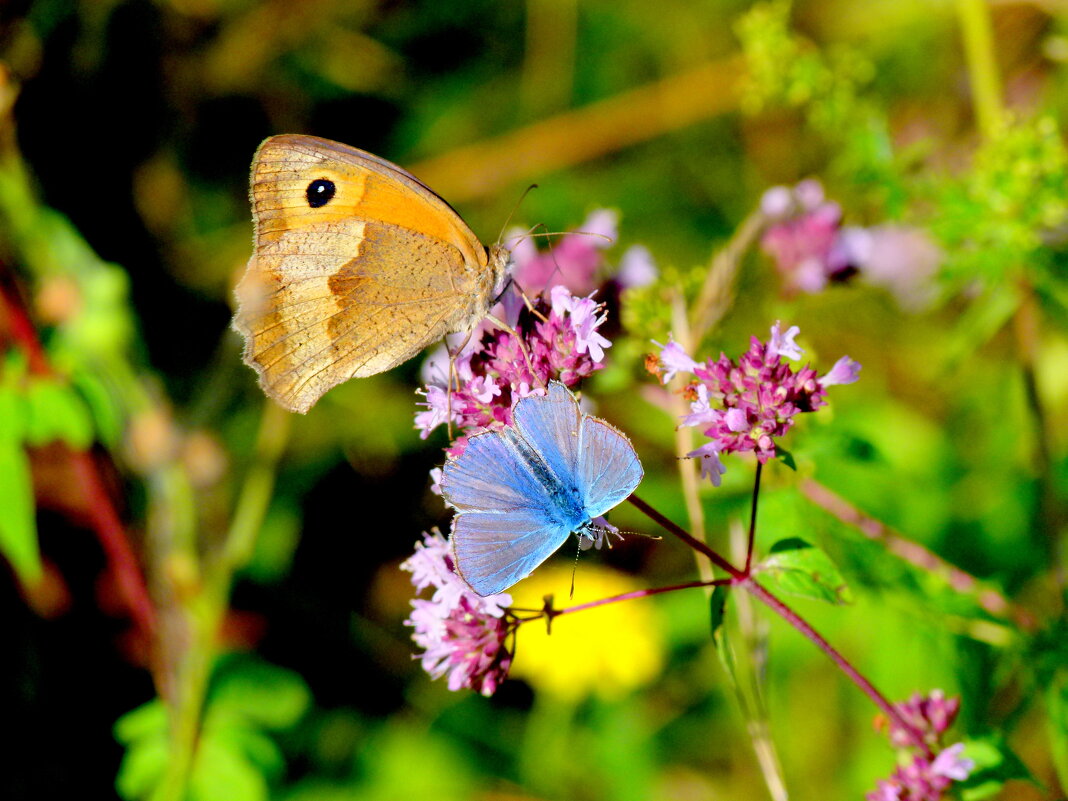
(753, 518)
(627, 596)
(974, 18)
(744, 580)
(683, 535)
(799, 623)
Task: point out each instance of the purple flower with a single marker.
(561, 341)
(636, 268)
(805, 237)
(673, 359)
(747, 405)
(711, 467)
(952, 765)
(845, 371)
(573, 262)
(930, 715)
(919, 777)
(462, 635)
(782, 344)
(902, 260)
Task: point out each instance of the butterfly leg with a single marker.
(522, 347)
(453, 378)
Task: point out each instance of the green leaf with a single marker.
(995, 764)
(18, 523)
(270, 696)
(796, 568)
(146, 720)
(719, 608)
(784, 456)
(1057, 706)
(222, 772)
(56, 412)
(142, 766)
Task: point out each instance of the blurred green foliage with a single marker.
(277, 665)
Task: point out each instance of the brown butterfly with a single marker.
(356, 266)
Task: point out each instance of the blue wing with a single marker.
(493, 475)
(608, 468)
(550, 423)
(495, 550)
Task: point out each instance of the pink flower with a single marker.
(845, 371)
(573, 262)
(902, 260)
(562, 342)
(952, 765)
(918, 777)
(636, 268)
(711, 467)
(462, 635)
(673, 359)
(782, 344)
(747, 405)
(930, 715)
(805, 237)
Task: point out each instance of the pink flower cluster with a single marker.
(811, 247)
(577, 259)
(461, 634)
(746, 405)
(923, 777)
(563, 345)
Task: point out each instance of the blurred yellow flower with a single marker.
(608, 650)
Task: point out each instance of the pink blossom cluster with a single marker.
(560, 341)
(924, 776)
(462, 634)
(811, 248)
(578, 258)
(748, 404)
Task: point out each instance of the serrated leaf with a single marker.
(18, 522)
(794, 567)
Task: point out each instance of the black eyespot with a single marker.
(320, 192)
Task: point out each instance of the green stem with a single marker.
(974, 18)
(207, 610)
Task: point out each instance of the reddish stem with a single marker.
(753, 518)
(799, 623)
(104, 519)
(685, 536)
(627, 596)
(743, 579)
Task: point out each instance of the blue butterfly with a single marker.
(520, 491)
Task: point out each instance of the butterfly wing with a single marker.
(494, 550)
(512, 513)
(608, 466)
(356, 285)
(493, 475)
(551, 423)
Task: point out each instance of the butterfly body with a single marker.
(521, 491)
(356, 267)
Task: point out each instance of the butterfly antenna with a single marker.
(574, 567)
(508, 219)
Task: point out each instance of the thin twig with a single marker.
(914, 553)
